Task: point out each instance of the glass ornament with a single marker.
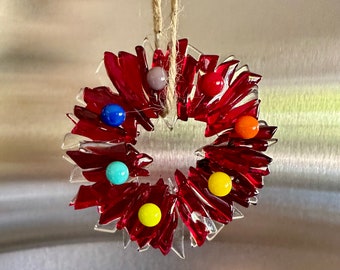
(217, 93)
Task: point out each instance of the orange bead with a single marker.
(247, 127)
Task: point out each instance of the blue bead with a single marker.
(117, 173)
(113, 115)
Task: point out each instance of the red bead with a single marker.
(211, 84)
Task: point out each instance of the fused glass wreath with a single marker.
(228, 171)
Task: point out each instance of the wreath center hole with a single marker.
(172, 149)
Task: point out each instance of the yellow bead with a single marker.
(149, 214)
(219, 184)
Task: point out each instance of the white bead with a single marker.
(157, 78)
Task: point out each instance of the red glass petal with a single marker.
(156, 234)
(181, 48)
(239, 88)
(115, 201)
(100, 154)
(227, 70)
(207, 63)
(197, 229)
(163, 238)
(154, 96)
(98, 97)
(83, 113)
(134, 92)
(227, 120)
(159, 60)
(217, 208)
(241, 157)
(86, 197)
(261, 139)
(266, 132)
(97, 175)
(187, 204)
(255, 179)
(88, 161)
(184, 86)
(134, 205)
(95, 132)
(117, 70)
(112, 150)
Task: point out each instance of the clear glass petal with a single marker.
(229, 58)
(102, 76)
(271, 142)
(194, 52)
(237, 214)
(109, 228)
(172, 187)
(200, 153)
(210, 225)
(192, 241)
(251, 96)
(253, 200)
(77, 175)
(219, 226)
(149, 49)
(72, 141)
(68, 159)
(238, 72)
(178, 240)
(145, 248)
(72, 117)
(170, 119)
(262, 123)
(126, 239)
(80, 97)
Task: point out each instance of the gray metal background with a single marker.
(50, 49)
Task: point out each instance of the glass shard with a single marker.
(126, 239)
(237, 214)
(178, 240)
(218, 227)
(109, 228)
(77, 175)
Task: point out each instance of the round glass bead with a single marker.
(117, 173)
(113, 115)
(247, 126)
(149, 214)
(157, 78)
(219, 184)
(211, 84)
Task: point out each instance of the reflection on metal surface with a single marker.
(50, 49)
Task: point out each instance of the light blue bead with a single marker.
(113, 115)
(117, 173)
